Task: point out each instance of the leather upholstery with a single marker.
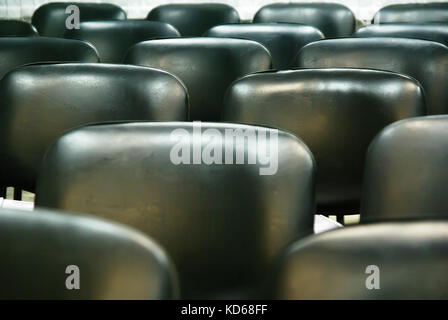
(49, 19)
(426, 61)
(432, 32)
(282, 40)
(333, 19)
(336, 112)
(405, 174)
(114, 261)
(113, 38)
(411, 258)
(207, 66)
(39, 103)
(19, 51)
(222, 224)
(193, 19)
(17, 28)
(432, 12)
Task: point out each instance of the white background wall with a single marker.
(363, 9)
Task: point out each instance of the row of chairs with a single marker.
(404, 176)
(111, 261)
(337, 112)
(192, 20)
(113, 38)
(220, 61)
(227, 231)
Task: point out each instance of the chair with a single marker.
(428, 62)
(282, 40)
(334, 20)
(43, 252)
(50, 18)
(19, 51)
(39, 103)
(336, 112)
(405, 175)
(193, 19)
(17, 28)
(221, 223)
(432, 12)
(432, 32)
(207, 66)
(380, 261)
(113, 38)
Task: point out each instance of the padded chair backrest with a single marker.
(112, 261)
(221, 223)
(50, 18)
(433, 12)
(426, 61)
(193, 19)
(19, 51)
(39, 103)
(207, 66)
(402, 260)
(113, 38)
(333, 19)
(432, 32)
(336, 112)
(17, 28)
(406, 171)
(282, 40)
